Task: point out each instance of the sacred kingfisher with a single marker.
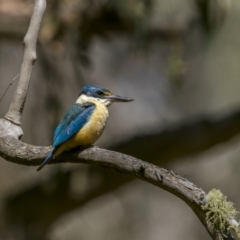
(84, 122)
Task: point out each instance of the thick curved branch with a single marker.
(14, 113)
(16, 151)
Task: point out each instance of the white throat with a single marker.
(84, 98)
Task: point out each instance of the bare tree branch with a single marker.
(18, 152)
(14, 113)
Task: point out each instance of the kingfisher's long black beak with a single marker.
(116, 98)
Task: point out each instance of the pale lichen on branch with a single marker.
(221, 213)
(18, 152)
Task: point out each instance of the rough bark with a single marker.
(18, 152)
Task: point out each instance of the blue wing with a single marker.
(75, 118)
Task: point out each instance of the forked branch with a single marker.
(18, 152)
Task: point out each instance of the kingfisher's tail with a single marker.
(45, 161)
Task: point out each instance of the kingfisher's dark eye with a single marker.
(100, 93)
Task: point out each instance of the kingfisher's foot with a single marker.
(80, 148)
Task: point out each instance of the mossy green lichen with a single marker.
(221, 213)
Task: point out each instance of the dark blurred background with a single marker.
(179, 60)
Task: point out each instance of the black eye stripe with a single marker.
(100, 93)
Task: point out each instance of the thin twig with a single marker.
(14, 113)
(16, 151)
(10, 84)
